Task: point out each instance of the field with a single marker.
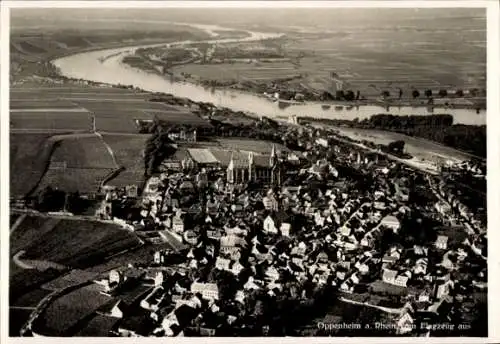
(178, 115)
(78, 163)
(41, 104)
(63, 315)
(419, 52)
(73, 243)
(251, 145)
(29, 155)
(97, 326)
(73, 278)
(49, 120)
(72, 108)
(262, 72)
(128, 151)
(22, 281)
(44, 111)
(422, 150)
(31, 299)
(86, 152)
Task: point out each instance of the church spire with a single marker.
(230, 170)
(272, 159)
(250, 166)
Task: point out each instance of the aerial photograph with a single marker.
(248, 172)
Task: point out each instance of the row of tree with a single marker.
(158, 147)
(50, 199)
(349, 95)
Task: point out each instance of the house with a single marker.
(208, 291)
(370, 238)
(272, 273)
(178, 224)
(345, 230)
(236, 268)
(347, 286)
(153, 299)
(285, 229)
(115, 279)
(158, 257)
(240, 296)
(269, 225)
(420, 267)
(443, 289)
(251, 284)
(229, 240)
(212, 206)
(132, 191)
(389, 276)
(355, 278)
(270, 202)
(391, 222)
(405, 323)
(159, 278)
(222, 263)
(401, 281)
(115, 311)
(236, 231)
(214, 234)
(441, 242)
(363, 268)
(420, 250)
(169, 323)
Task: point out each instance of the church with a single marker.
(255, 168)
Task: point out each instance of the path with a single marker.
(34, 264)
(17, 223)
(17, 260)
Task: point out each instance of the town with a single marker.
(259, 243)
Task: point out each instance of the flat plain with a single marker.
(40, 112)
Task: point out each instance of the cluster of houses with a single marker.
(276, 240)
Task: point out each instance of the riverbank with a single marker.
(86, 66)
(290, 94)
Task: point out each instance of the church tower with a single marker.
(272, 158)
(275, 166)
(251, 167)
(230, 171)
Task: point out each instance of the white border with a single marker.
(493, 120)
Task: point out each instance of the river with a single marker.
(106, 66)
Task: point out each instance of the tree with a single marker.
(400, 93)
(358, 94)
(49, 199)
(227, 283)
(385, 94)
(349, 95)
(473, 92)
(339, 95)
(415, 94)
(396, 146)
(428, 93)
(443, 93)
(158, 147)
(459, 93)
